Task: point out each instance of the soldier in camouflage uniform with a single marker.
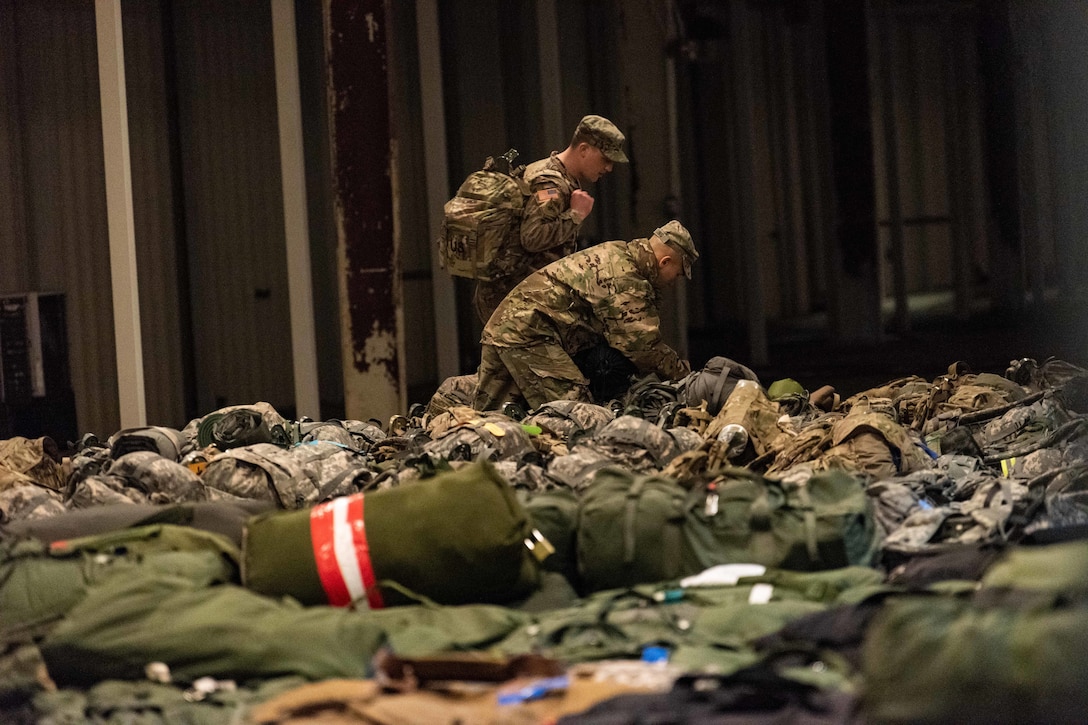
(608, 293)
(556, 207)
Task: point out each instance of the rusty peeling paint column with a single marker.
(371, 317)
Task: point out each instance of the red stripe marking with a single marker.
(362, 552)
(328, 571)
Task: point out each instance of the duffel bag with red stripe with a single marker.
(459, 537)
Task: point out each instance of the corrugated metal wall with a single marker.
(52, 200)
(55, 76)
(15, 269)
(162, 307)
(207, 192)
(233, 203)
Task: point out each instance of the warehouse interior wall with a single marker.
(52, 187)
(980, 141)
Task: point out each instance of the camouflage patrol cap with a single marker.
(676, 236)
(604, 135)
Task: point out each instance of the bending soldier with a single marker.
(608, 294)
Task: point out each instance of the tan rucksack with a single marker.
(485, 212)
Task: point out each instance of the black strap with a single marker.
(720, 386)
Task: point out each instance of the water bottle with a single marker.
(735, 438)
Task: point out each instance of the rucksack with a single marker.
(293, 478)
(484, 213)
(714, 383)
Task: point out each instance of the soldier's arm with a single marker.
(633, 326)
(548, 221)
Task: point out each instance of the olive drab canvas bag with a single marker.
(636, 528)
(1012, 650)
(807, 521)
(459, 537)
(630, 529)
(477, 221)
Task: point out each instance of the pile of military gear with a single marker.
(705, 548)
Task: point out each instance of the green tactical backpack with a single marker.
(480, 218)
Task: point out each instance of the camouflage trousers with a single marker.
(533, 375)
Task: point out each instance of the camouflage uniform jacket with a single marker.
(604, 292)
(549, 229)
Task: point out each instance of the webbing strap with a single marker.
(759, 524)
(719, 386)
(630, 519)
(331, 486)
(1066, 430)
(809, 516)
(671, 546)
(484, 197)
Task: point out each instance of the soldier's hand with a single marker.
(581, 202)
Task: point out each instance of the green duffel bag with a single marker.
(225, 632)
(629, 530)
(457, 538)
(40, 582)
(229, 632)
(945, 660)
(554, 514)
(1014, 651)
(820, 522)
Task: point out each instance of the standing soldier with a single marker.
(607, 294)
(556, 207)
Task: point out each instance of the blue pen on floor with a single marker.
(534, 690)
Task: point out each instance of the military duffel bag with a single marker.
(1014, 652)
(639, 529)
(554, 512)
(40, 582)
(459, 537)
(629, 529)
(804, 521)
